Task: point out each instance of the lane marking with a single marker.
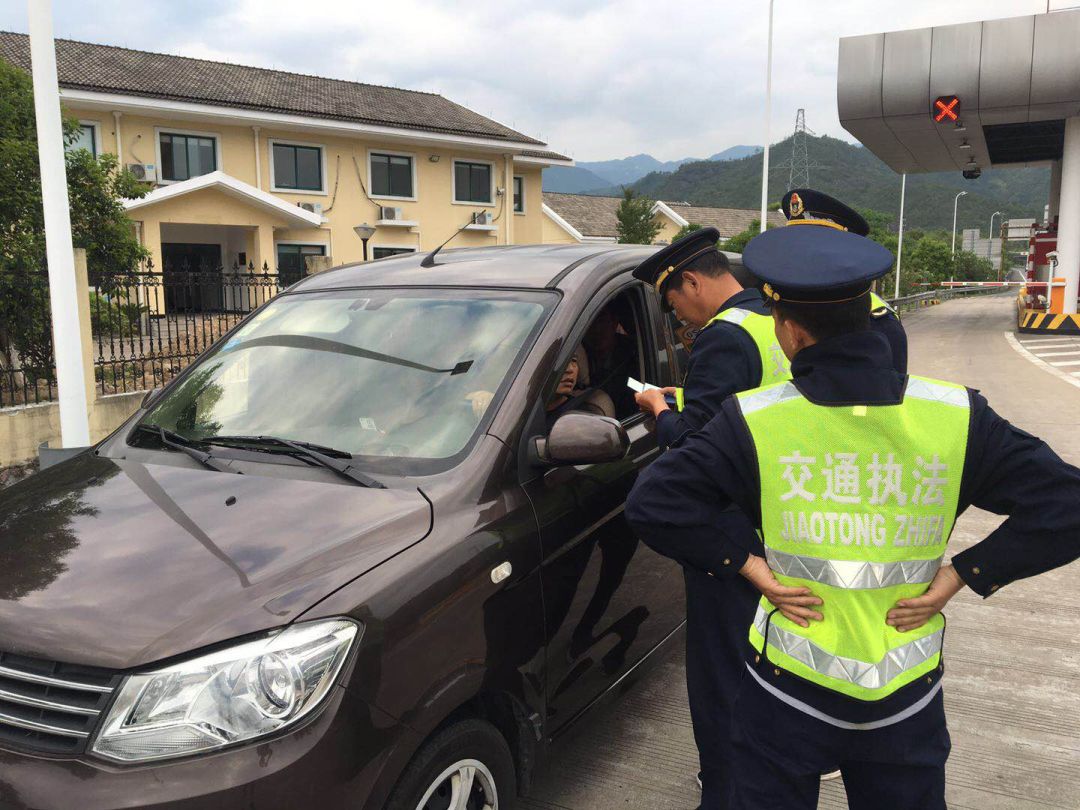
(1049, 344)
(1056, 354)
(1066, 363)
(1061, 375)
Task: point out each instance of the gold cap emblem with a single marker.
(795, 205)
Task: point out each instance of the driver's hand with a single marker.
(479, 401)
(795, 604)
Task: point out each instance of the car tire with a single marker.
(469, 752)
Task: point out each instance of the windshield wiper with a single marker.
(328, 457)
(184, 445)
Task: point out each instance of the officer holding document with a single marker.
(854, 473)
(735, 350)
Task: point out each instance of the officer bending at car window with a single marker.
(735, 350)
(854, 474)
(803, 204)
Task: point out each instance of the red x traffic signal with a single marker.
(946, 108)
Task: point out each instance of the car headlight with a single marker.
(228, 696)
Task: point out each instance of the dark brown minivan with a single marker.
(369, 551)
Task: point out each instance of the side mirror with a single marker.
(580, 438)
(150, 396)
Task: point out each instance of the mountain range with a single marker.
(608, 175)
(855, 175)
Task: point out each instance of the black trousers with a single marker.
(718, 618)
(780, 753)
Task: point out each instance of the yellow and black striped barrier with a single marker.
(1039, 321)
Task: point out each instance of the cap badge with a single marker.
(795, 205)
(770, 292)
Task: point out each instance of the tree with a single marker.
(686, 230)
(636, 224)
(736, 243)
(98, 222)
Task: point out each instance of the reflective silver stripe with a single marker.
(861, 673)
(806, 708)
(853, 573)
(764, 397)
(735, 315)
(936, 392)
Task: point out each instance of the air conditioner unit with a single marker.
(147, 172)
(315, 208)
(483, 218)
(390, 212)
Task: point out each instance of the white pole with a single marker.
(768, 124)
(990, 237)
(900, 239)
(63, 297)
(1068, 243)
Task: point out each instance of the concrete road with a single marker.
(1012, 684)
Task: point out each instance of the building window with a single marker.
(472, 182)
(391, 175)
(519, 195)
(85, 139)
(291, 264)
(297, 167)
(186, 156)
(383, 252)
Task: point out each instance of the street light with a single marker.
(900, 238)
(768, 113)
(990, 236)
(955, 202)
(365, 232)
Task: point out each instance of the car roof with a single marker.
(511, 267)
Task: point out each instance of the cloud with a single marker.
(594, 79)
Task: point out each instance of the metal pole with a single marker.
(900, 239)
(768, 124)
(990, 237)
(63, 293)
(955, 202)
(365, 249)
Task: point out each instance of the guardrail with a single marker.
(907, 303)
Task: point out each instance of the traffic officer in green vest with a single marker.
(803, 205)
(736, 349)
(854, 474)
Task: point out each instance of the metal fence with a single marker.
(907, 303)
(146, 326)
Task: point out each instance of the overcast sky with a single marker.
(594, 79)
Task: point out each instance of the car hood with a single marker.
(116, 563)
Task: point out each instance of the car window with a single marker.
(377, 373)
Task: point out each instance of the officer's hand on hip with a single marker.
(794, 604)
(911, 614)
(652, 402)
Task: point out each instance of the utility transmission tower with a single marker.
(799, 170)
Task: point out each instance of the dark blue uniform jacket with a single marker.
(723, 361)
(683, 499)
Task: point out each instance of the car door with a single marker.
(608, 598)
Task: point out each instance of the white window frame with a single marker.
(159, 131)
(393, 153)
(322, 166)
(373, 248)
(520, 177)
(453, 182)
(325, 245)
(97, 134)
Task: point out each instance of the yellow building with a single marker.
(255, 166)
(586, 218)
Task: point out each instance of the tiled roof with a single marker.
(109, 69)
(537, 153)
(595, 216)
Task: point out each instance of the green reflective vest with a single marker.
(857, 503)
(879, 306)
(774, 365)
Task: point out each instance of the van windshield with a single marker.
(375, 373)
